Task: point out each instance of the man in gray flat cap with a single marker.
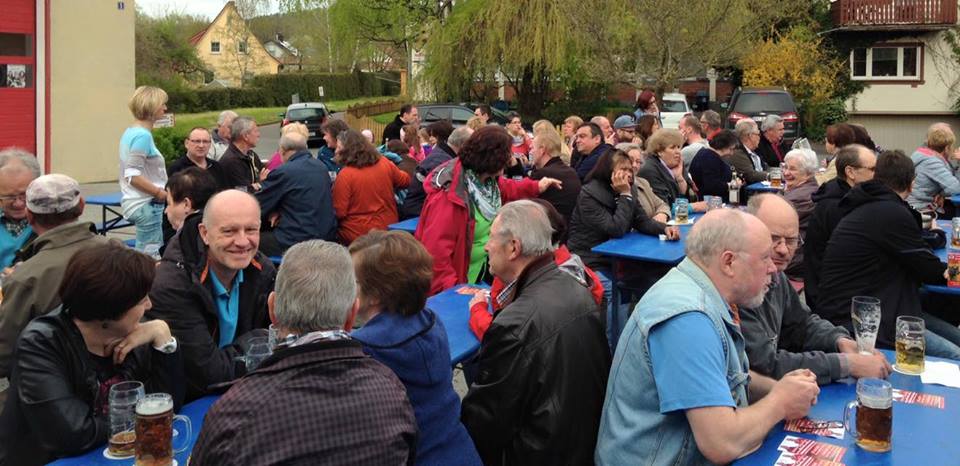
(53, 207)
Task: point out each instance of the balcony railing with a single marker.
(868, 13)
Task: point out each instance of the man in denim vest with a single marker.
(678, 389)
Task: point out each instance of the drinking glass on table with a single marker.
(911, 344)
(874, 419)
(865, 313)
(775, 176)
(122, 403)
(258, 350)
(155, 431)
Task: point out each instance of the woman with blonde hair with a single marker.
(545, 125)
(569, 130)
(935, 180)
(277, 160)
(143, 173)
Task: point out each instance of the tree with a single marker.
(163, 55)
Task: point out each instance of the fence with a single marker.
(894, 12)
(365, 109)
(365, 122)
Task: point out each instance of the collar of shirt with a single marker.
(228, 306)
(755, 159)
(14, 227)
(320, 335)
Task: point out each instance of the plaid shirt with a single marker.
(319, 403)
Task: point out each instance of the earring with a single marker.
(105, 325)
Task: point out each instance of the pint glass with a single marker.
(122, 401)
(155, 430)
(776, 178)
(874, 419)
(865, 314)
(911, 345)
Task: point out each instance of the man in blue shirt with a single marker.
(212, 287)
(680, 376)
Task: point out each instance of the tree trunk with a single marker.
(532, 92)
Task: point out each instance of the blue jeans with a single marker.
(147, 220)
(943, 339)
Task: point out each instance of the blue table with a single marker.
(194, 410)
(760, 187)
(921, 435)
(408, 225)
(955, 199)
(453, 309)
(108, 202)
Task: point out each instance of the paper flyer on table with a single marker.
(941, 373)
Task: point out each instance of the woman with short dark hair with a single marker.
(393, 277)
(66, 361)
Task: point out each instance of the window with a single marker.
(886, 62)
(215, 47)
(16, 45)
(242, 46)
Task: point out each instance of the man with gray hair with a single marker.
(772, 147)
(711, 123)
(242, 167)
(221, 135)
(744, 159)
(296, 199)
(357, 409)
(609, 136)
(680, 375)
(543, 362)
(413, 203)
(17, 169)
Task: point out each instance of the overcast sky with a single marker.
(206, 8)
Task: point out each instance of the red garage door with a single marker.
(18, 110)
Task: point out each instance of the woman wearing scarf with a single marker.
(463, 197)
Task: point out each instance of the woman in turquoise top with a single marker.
(143, 173)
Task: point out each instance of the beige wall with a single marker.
(91, 79)
(229, 65)
(904, 132)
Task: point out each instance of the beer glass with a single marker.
(911, 345)
(122, 402)
(155, 431)
(865, 313)
(776, 178)
(682, 211)
(874, 419)
(258, 350)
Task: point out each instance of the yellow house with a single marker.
(231, 51)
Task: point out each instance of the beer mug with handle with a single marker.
(123, 398)
(911, 344)
(155, 431)
(874, 419)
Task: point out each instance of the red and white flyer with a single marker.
(800, 447)
(925, 399)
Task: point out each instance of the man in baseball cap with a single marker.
(626, 128)
(53, 206)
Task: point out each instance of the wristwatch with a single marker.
(169, 347)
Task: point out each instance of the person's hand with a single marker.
(673, 233)
(256, 187)
(155, 332)
(620, 181)
(273, 219)
(263, 173)
(547, 183)
(699, 206)
(160, 195)
(869, 365)
(662, 217)
(956, 154)
(847, 345)
(795, 393)
(479, 297)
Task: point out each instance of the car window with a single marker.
(304, 113)
(674, 106)
(461, 114)
(436, 114)
(771, 102)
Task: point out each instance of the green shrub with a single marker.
(169, 142)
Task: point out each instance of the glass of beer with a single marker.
(911, 345)
(155, 431)
(874, 419)
(122, 402)
(776, 178)
(865, 313)
(683, 213)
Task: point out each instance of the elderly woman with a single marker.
(393, 277)
(277, 159)
(935, 179)
(143, 172)
(664, 168)
(363, 193)
(652, 205)
(837, 136)
(569, 132)
(67, 360)
(463, 197)
(799, 167)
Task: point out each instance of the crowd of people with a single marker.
(717, 350)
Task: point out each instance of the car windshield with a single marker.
(674, 106)
(770, 102)
(304, 113)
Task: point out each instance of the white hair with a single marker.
(28, 160)
(367, 134)
(225, 116)
(718, 231)
(459, 136)
(745, 127)
(240, 127)
(626, 147)
(527, 222)
(315, 287)
(807, 158)
(293, 141)
(770, 122)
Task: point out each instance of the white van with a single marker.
(673, 106)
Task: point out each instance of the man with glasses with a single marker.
(17, 169)
(198, 143)
(781, 334)
(711, 123)
(626, 129)
(744, 159)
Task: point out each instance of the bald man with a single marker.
(782, 334)
(212, 288)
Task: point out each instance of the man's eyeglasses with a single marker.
(200, 141)
(870, 169)
(792, 242)
(13, 198)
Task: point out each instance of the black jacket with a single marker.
(564, 199)
(213, 168)
(413, 203)
(711, 173)
(741, 162)
(825, 217)
(240, 169)
(661, 180)
(876, 250)
(601, 215)
(54, 390)
(392, 130)
(543, 367)
(583, 164)
(767, 154)
(182, 295)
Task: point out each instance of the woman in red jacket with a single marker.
(463, 197)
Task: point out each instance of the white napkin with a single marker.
(942, 373)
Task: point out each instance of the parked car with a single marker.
(312, 114)
(758, 102)
(673, 107)
(458, 114)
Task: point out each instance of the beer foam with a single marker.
(151, 406)
(875, 402)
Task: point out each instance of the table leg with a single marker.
(103, 218)
(614, 308)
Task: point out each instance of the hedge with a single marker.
(276, 90)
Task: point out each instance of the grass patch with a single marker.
(384, 118)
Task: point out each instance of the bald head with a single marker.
(231, 230)
(781, 219)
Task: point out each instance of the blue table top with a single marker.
(759, 187)
(111, 199)
(955, 199)
(921, 435)
(408, 225)
(194, 410)
(647, 248)
(454, 311)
